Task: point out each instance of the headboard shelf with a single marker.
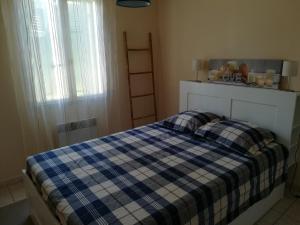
(278, 111)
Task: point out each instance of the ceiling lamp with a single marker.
(134, 3)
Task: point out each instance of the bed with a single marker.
(154, 175)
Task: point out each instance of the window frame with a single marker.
(71, 87)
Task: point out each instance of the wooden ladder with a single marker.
(130, 74)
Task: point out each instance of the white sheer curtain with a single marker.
(63, 60)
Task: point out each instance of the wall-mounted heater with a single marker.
(74, 132)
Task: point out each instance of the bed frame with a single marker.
(276, 110)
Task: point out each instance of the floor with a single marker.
(21, 209)
(285, 212)
(11, 193)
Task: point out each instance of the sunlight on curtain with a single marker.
(64, 65)
(84, 21)
(51, 83)
(67, 33)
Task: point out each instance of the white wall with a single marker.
(222, 29)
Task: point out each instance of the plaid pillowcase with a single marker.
(238, 135)
(188, 121)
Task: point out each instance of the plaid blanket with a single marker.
(153, 175)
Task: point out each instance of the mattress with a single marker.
(153, 175)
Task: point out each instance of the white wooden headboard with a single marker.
(278, 111)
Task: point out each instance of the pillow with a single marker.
(238, 135)
(189, 121)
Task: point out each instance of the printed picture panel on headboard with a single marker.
(253, 72)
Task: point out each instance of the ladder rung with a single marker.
(149, 51)
(140, 73)
(139, 96)
(144, 117)
(138, 49)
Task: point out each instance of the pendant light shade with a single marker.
(134, 3)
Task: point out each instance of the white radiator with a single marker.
(74, 132)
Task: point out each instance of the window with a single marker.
(68, 37)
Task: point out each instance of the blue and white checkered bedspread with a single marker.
(152, 175)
